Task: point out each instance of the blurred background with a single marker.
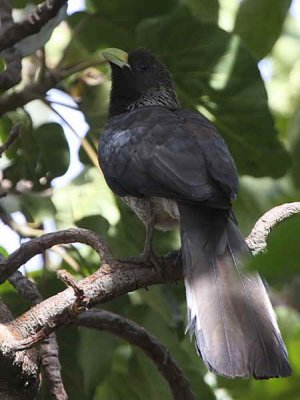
(238, 62)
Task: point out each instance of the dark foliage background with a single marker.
(212, 49)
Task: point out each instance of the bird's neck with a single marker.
(162, 97)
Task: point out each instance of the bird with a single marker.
(173, 168)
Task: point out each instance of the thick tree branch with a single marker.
(257, 240)
(110, 281)
(33, 24)
(12, 75)
(49, 348)
(138, 336)
(19, 379)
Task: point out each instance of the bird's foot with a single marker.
(146, 258)
(174, 255)
(142, 258)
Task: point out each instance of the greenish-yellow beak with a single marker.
(116, 56)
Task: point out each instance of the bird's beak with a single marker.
(116, 56)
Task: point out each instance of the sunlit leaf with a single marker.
(259, 23)
(213, 71)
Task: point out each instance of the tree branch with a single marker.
(110, 281)
(19, 379)
(49, 348)
(40, 244)
(33, 24)
(138, 336)
(257, 239)
(38, 90)
(12, 57)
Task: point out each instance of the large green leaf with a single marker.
(95, 355)
(87, 195)
(39, 155)
(205, 10)
(133, 11)
(97, 32)
(54, 157)
(259, 23)
(108, 27)
(37, 207)
(214, 72)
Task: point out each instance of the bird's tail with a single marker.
(229, 312)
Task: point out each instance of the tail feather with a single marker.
(229, 312)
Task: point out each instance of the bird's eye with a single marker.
(142, 67)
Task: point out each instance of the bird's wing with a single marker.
(175, 154)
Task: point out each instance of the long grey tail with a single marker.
(229, 312)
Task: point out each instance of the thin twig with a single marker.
(13, 136)
(257, 239)
(38, 90)
(60, 103)
(138, 336)
(82, 65)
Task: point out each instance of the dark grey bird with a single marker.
(174, 169)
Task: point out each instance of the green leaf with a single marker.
(216, 74)
(205, 10)
(36, 207)
(109, 32)
(95, 355)
(54, 156)
(281, 263)
(40, 153)
(3, 252)
(259, 24)
(133, 11)
(87, 195)
(95, 223)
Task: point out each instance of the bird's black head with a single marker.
(139, 79)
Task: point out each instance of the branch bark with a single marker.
(49, 350)
(257, 239)
(33, 24)
(19, 379)
(111, 280)
(138, 336)
(40, 244)
(12, 75)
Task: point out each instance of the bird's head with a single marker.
(139, 79)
